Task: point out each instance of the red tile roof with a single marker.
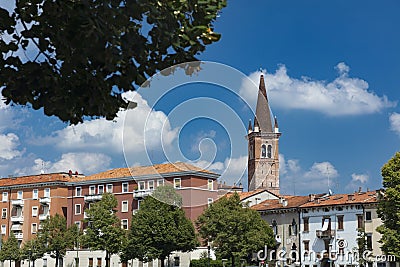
(33, 179)
(289, 202)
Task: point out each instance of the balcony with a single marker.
(43, 217)
(17, 202)
(17, 218)
(92, 198)
(16, 227)
(19, 236)
(44, 200)
(142, 193)
(327, 234)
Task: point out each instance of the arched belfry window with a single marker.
(263, 151)
(251, 151)
(269, 151)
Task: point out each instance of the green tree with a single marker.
(104, 230)
(389, 207)
(168, 195)
(157, 229)
(81, 55)
(10, 250)
(236, 231)
(32, 250)
(57, 237)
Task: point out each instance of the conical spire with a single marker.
(250, 127)
(263, 113)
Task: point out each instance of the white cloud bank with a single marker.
(394, 120)
(343, 96)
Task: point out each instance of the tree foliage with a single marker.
(389, 207)
(235, 231)
(32, 250)
(10, 249)
(74, 58)
(168, 195)
(157, 229)
(57, 237)
(104, 230)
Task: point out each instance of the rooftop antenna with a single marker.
(42, 169)
(329, 187)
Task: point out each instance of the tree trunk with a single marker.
(33, 263)
(162, 262)
(57, 256)
(233, 261)
(107, 259)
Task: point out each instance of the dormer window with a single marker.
(274, 227)
(269, 152)
(263, 151)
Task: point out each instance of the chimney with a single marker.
(359, 189)
(311, 197)
(350, 197)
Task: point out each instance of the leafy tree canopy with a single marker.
(168, 195)
(56, 236)
(32, 250)
(157, 229)
(236, 231)
(74, 58)
(389, 207)
(104, 228)
(10, 249)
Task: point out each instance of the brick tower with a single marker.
(263, 145)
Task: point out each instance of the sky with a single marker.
(332, 77)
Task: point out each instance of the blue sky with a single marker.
(332, 72)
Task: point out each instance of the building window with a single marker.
(251, 151)
(98, 262)
(210, 184)
(20, 195)
(78, 209)
(293, 228)
(274, 227)
(177, 182)
(176, 261)
(35, 194)
(47, 192)
(100, 189)
(34, 211)
(150, 185)
(360, 223)
(44, 262)
(4, 213)
(210, 201)
(138, 203)
(367, 215)
(124, 224)
(340, 222)
(369, 241)
(306, 224)
(263, 151)
(124, 206)
(34, 228)
(269, 151)
(78, 224)
(160, 182)
(142, 186)
(125, 188)
(109, 188)
(306, 245)
(90, 262)
(3, 229)
(5, 197)
(92, 190)
(78, 191)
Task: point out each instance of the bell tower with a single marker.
(263, 144)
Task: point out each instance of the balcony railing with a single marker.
(43, 217)
(92, 198)
(17, 202)
(19, 235)
(142, 193)
(325, 234)
(18, 218)
(44, 200)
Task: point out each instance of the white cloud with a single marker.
(362, 178)
(343, 96)
(86, 163)
(394, 120)
(133, 131)
(295, 180)
(9, 142)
